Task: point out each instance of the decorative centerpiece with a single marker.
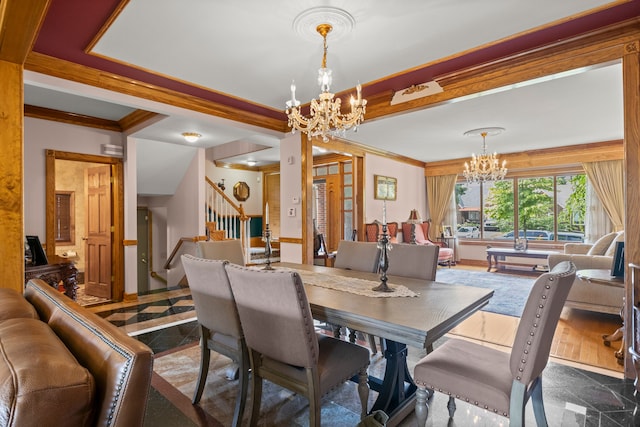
(520, 244)
(385, 246)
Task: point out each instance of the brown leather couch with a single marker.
(62, 364)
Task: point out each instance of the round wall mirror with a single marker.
(241, 191)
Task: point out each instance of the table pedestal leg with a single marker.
(397, 388)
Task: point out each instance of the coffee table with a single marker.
(501, 253)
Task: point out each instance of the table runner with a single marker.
(352, 285)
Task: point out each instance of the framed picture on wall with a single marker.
(384, 187)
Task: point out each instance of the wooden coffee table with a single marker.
(499, 254)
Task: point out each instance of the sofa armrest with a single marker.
(582, 262)
(577, 248)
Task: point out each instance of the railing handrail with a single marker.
(167, 265)
(238, 208)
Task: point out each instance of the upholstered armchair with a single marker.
(587, 295)
(445, 255)
(373, 231)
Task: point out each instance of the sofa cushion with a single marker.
(611, 250)
(602, 244)
(13, 305)
(40, 380)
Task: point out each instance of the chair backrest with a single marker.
(212, 297)
(371, 232)
(275, 314)
(415, 261)
(231, 250)
(538, 322)
(359, 256)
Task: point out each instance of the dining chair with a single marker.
(283, 345)
(219, 325)
(415, 261)
(230, 250)
(494, 380)
(359, 256)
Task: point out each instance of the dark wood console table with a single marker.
(57, 271)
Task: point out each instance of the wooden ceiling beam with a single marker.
(70, 118)
(20, 21)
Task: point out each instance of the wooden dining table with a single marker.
(402, 321)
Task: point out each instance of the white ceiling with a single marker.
(251, 50)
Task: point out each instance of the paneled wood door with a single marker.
(333, 211)
(98, 236)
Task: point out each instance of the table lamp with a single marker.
(414, 218)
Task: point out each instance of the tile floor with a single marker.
(166, 321)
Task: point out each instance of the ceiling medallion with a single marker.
(484, 167)
(341, 22)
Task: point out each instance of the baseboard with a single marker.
(130, 297)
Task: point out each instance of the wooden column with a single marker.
(306, 164)
(631, 85)
(11, 177)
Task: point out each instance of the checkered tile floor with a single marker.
(144, 312)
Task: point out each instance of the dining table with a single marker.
(416, 314)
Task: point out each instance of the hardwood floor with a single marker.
(578, 337)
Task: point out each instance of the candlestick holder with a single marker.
(266, 238)
(383, 264)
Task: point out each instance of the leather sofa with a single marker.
(592, 296)
(62, 364)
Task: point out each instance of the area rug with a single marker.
(510, 291)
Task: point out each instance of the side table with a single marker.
(604, 277)
(58, 271)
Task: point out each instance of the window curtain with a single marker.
(596, 222)
(439, 192)
(451, 217)
(607, 179)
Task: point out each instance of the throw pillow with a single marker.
(612, 247)
(602, 244)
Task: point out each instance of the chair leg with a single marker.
(538, 403)
(422, 407)
(363, 392)
(451, 406)
(372, 343)
(205, 356)
(256, 390)
(516, 404)
(243, 386)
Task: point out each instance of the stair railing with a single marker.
(223, 215)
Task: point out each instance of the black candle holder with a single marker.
(266, 238)
(383, 264)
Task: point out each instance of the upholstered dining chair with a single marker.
(415, 261)
(283, 345)
(359, 256)
(494, 380)
(219, 324)
(231, 250)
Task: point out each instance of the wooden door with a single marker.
(98, 237)
(333, 212)
(143, 251)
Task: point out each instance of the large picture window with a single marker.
(543, 208)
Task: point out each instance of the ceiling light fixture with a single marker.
(325, 119)
(484, 167)
(251, 162)
(191, 136)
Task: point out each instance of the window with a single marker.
(545, 208)
(65, 228)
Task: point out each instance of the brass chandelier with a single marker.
(325, 116)
(484, 167)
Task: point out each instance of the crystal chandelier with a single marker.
(484, 167)
(325, 118)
